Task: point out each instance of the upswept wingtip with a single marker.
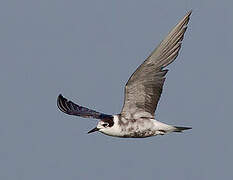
(60, 103)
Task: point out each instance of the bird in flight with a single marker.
(142, 94)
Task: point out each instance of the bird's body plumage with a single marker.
(137, 128)
(142, 93)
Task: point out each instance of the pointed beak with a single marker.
(93, 130)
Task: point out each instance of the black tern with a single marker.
(142, 94)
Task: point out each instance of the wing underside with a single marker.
(144, 87)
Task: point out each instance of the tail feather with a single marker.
(181, 129)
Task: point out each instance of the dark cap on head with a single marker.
(109, 120)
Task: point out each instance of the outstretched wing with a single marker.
(71, 108)
(144, 87)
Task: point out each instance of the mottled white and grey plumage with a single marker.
(142, 93)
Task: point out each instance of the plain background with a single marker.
(87, 50)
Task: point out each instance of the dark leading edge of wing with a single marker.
(71, 108)
(144, 87)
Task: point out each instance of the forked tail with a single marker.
(181, 129)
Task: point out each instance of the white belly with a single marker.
(139, 128)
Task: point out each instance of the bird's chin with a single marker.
(102, 131)
(106, 132)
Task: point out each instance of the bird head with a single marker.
(104, 125)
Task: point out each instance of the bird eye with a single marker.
(105, 125)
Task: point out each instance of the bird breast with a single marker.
(137, 128)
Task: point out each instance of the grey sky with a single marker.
(87, 50)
